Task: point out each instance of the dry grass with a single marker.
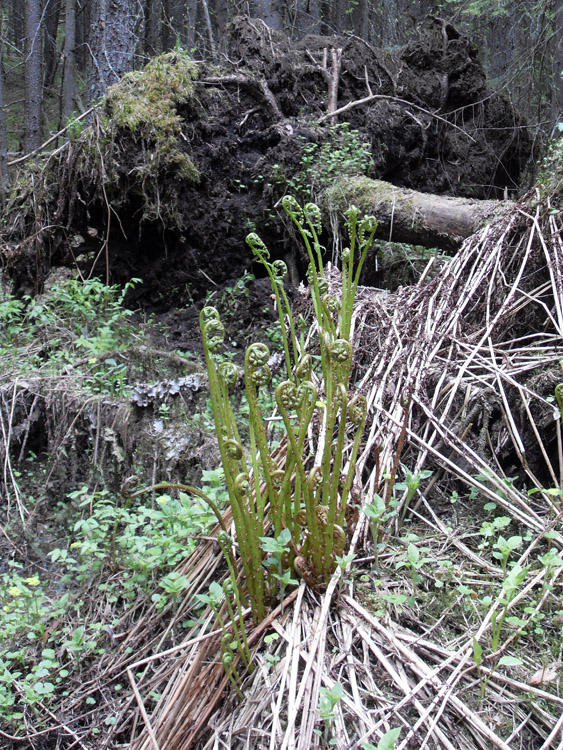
(478, 351)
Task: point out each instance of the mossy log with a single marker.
(409, 216)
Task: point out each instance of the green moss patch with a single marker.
(146, 103)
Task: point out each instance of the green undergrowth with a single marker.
(343, 153)
(77, 327)
(113, 555)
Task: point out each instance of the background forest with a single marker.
(59, 56)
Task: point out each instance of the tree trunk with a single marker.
(51, 14)
(153, 26)
(3, 134)
(112, 44)
(409, 216)
(32, 75)
(69, 70)
(17, 26)
(83, 36)
(557, 64)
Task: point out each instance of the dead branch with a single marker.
(243, 80)
(51, 139)
(383, 97)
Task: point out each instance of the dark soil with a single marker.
(261, 109)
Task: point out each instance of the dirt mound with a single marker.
(168, 193)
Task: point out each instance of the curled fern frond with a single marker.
(292, 207)
(224, 539)
(286, 395)
(226, 640)
(228, 373)
(233, 449)
(333, 305)
(260, 376)
(367, 228)
(208, 313)
(227, 659)
(351, 215)
(257, 355)
(357, 409)
(341, 351)
(313, 216)
(258, 246)
(277, 478)
(315, 478)
(279, 270)
(214, 335)
(242, 484)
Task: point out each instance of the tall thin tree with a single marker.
(32, 75)
(112, 43)
(3, 133)
(557, 65)
(51, 52)
(69, 70)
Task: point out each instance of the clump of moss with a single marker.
(146, 102)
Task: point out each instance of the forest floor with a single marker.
(447, 632)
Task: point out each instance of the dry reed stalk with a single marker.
(464, 344)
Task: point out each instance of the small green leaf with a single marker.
(387, 742)
(510, 661)
(477, 652)
(413, 554)
(215, 591)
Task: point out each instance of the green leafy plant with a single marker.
(503, 548)
(414, 562)
(387, 742)
(410, 486)
(343, 153)
(375, 512)
(510, 587)
(79, 324)
(328, 700)
(306, 495)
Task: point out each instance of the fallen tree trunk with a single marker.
(409, 216)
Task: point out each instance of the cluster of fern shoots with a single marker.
(291, 506)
